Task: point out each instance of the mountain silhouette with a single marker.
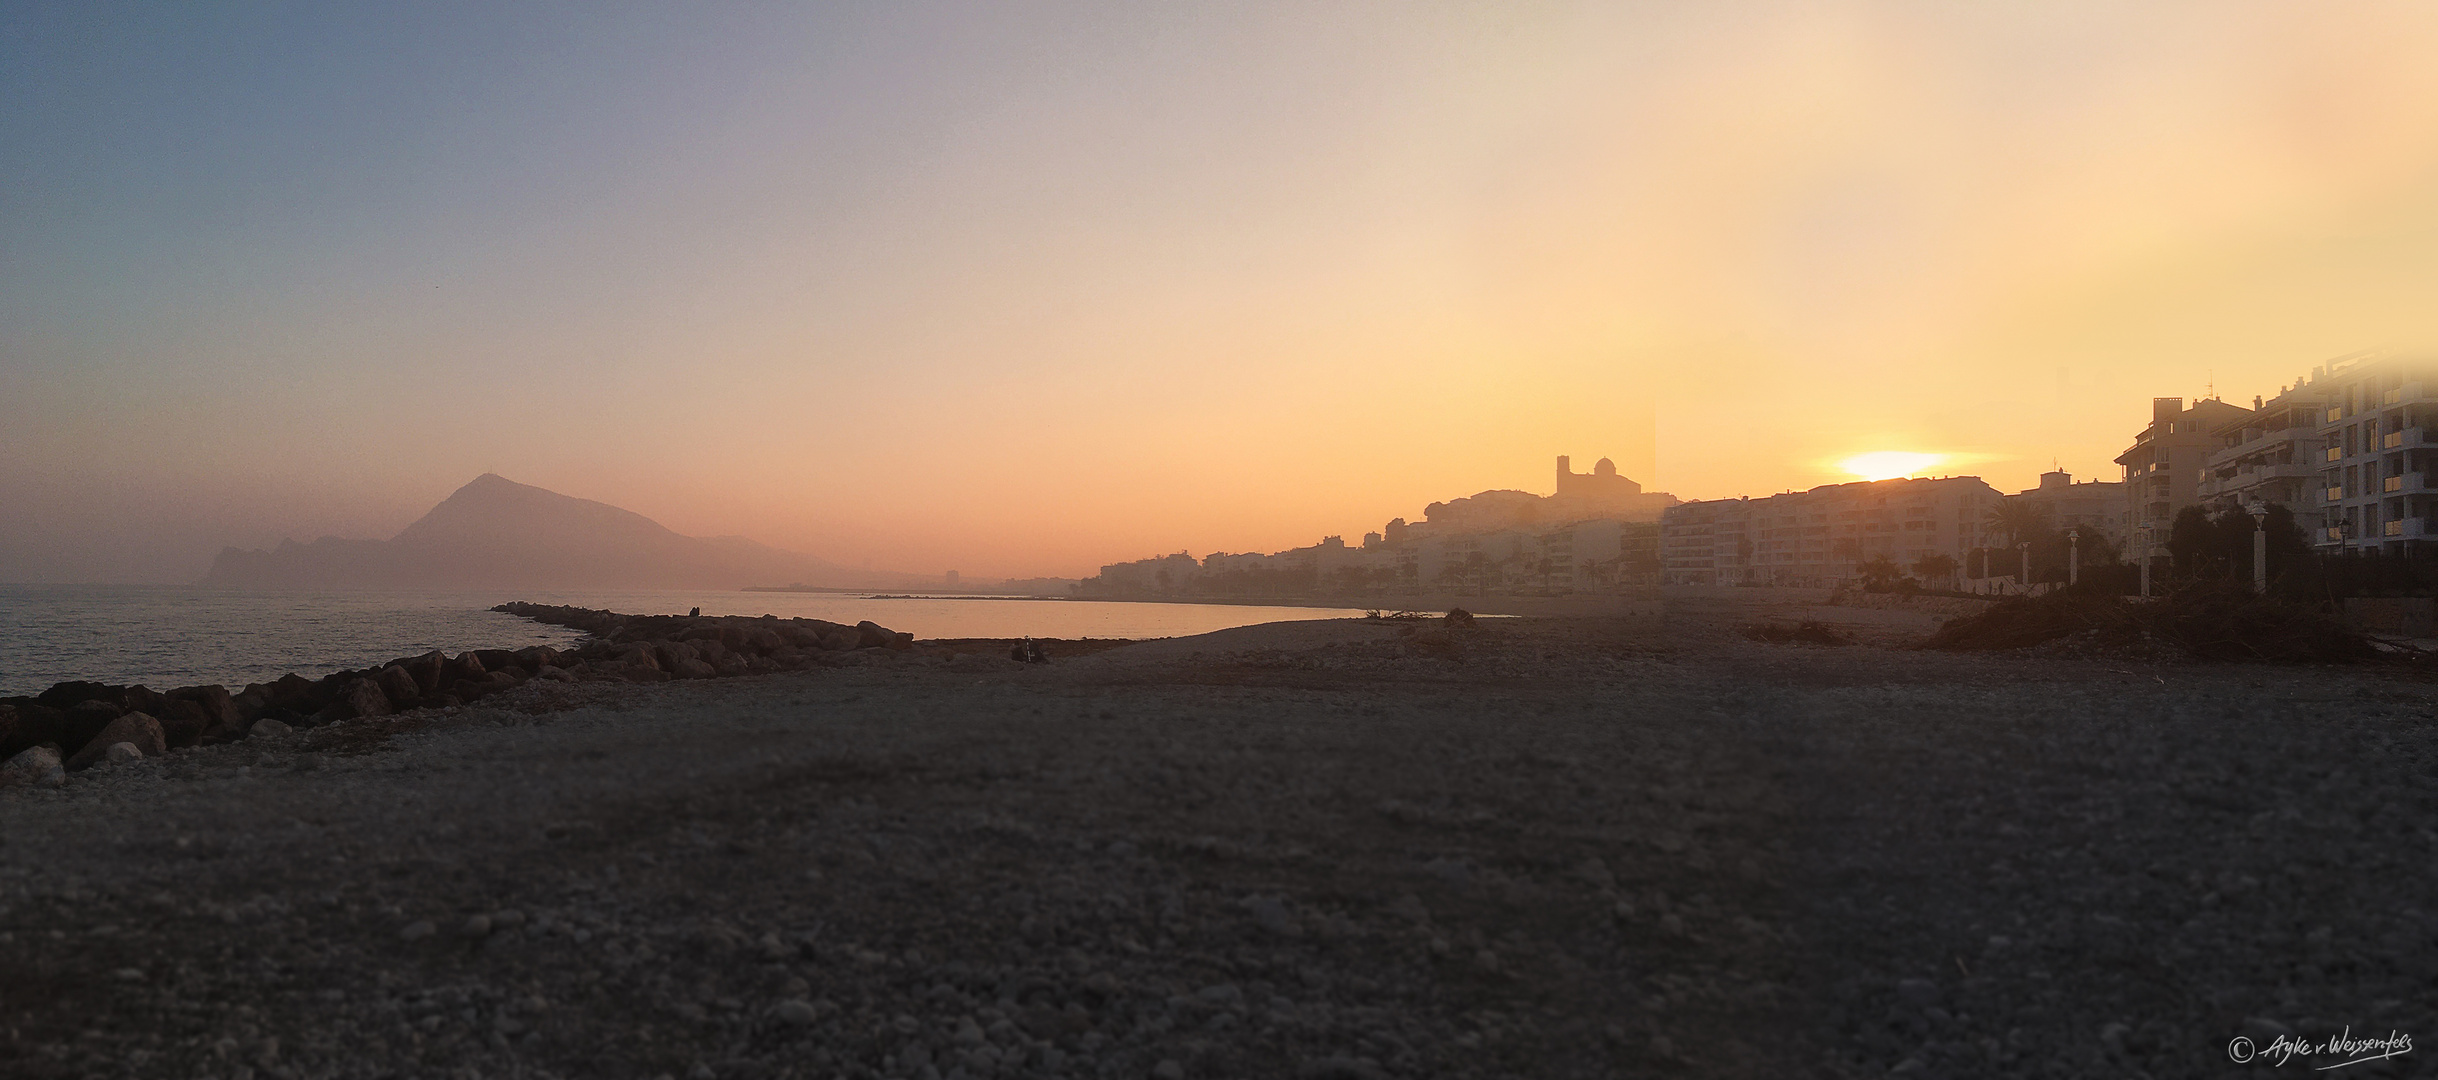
(497, 532)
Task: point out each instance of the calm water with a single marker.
(169, 637)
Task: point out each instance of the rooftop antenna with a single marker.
(2212, 393)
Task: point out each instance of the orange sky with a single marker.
(1024, 293)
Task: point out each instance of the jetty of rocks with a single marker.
(77, 724)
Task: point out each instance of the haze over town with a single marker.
(1022, 293)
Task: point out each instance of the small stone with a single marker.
(794, 1011)
(418, 930)
(1270, 913)
(478, 926)
(122, 753)
(268, 729)
(1672, 925)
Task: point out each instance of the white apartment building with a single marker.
(2378, 444)
(2273, 454)
(1818, 537)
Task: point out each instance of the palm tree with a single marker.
(2019, 518)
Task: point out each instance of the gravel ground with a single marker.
(1542, 847)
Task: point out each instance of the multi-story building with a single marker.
(1818, 537)
(2378, 444)
(2163, 467)
(2273, 454)
(2092, 506)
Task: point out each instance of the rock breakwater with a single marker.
(78, 722)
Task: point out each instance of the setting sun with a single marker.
(1888, 464)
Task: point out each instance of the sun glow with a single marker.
(1888, 464)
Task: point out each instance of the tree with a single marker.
(1936, 566)
(2019, 518)
(1879, 574)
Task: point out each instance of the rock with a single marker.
(795, 1012)
(35, 725)
(121, 753)
(872, 635)
(426, 670)
(1919, 993)
(295, 693)
(1459, 617)
(34, 767)
(538, 656)
(1168, 1069)
(222, 716)
(1271, 915)
(417, 930)
(554, 674)
(183, 722)
(688, 668)
(477, 926)
(68, 695)
(360, 698)
(467, 667)
(398, 686)
(267, 728)
(136, 728)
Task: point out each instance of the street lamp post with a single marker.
(2073, 557)
(2260, 546)
(2142, 535)
(2026, 548)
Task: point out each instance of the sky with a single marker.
(1020, 290)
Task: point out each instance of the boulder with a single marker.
(762, 640)
(398, 686)
(554, 674)
(690, 668)
(86, 721)
(219, 708)
(291, 691)
(538, 657)
(35, 766)
(360, 698)
(427, 670)
(35, 725)
(637, 654)
(671, 652)
(182, 722)
(266, 728)
(135, 727)
(143, 700)
(121, 753)
(68, 695)
(255, 701)
(499, 659)
(468, 667)
(872, 635)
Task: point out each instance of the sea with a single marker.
(165, 637)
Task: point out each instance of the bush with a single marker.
(2208, 621)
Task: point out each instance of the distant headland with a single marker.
(495, 532)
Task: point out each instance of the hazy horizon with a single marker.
(1023, 292)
